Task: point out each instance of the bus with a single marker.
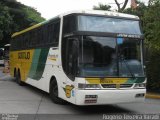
(83, 57)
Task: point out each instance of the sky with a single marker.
(51, 8)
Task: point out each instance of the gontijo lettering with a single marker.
(24, 55)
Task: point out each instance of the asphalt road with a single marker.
(31, 103)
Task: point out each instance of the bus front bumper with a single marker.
(100, 97)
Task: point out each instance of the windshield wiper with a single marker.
(129, 69)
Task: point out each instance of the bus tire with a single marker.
(54, 93)
(14, 74)
(18, 79)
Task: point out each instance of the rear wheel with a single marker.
(54, 93)
(15, 75)
(18, 79)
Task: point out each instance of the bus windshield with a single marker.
(106, 24)
(110, 57)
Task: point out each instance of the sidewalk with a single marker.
(153, 95)
(3, 75)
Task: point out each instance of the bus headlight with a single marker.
(140, 85)
(88, 86)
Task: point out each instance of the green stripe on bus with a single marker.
(135, 80)
(38, 65)
(35, 61)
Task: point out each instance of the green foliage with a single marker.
(102, 7)
(152, 38)
(5, 21)
(139, 11)
(108, 7)
(23, 16)
(15, 16)
(153, 70)
(150, 17)
(152, 25)
(33, 15)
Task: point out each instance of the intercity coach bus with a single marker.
(83, 57)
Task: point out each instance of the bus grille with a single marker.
(114, 85)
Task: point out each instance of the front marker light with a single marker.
(88, 86)
(140, 85)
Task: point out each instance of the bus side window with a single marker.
(31, 39)
(50, 33)
(13, 44)
(40, 37)
(56, 31)
(25, 38)
(20, 42)
(43, 39)
(53, 33)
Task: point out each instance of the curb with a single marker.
(153, 95)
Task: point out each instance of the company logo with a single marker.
(68, 89)
(52, 57)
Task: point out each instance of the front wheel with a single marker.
(54, 93)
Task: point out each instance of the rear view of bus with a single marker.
(102, 56)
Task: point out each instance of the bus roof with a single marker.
(102, 12)
(94, 12)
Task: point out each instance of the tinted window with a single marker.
(104, 24)
(97, 55)
(46, 35)
(130, 63)
(69, 24)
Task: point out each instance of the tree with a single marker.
(6, 21)
(25, 16)
(152, 25)
(15, 17)
(120, 9)
(139, 11)
(150, 17)
(102, 7)
(108, 7)
(152, 39)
